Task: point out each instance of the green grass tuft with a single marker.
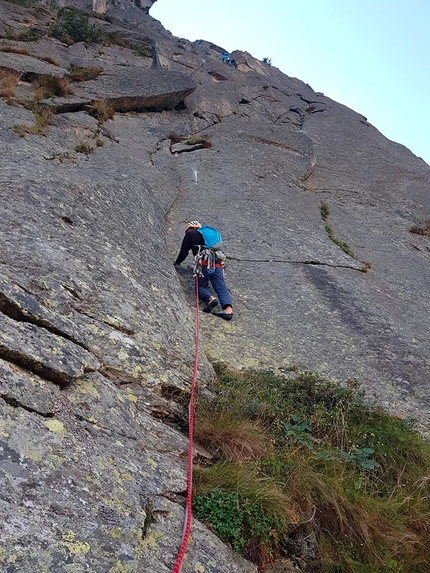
(43, 116)
(73, 26)
(326, 465)
(324, 216)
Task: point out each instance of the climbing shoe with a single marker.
(210, 306)
(224, 315)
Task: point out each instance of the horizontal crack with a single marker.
(36, 367)
(193, 148)
(17, 404)
(118, 377)
(11, 309)
(120, 328)
(293, 263)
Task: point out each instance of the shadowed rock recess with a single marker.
(97, 327)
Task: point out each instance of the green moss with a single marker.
(144, 51)
(324, 216)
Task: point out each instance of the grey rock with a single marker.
(130, 11)
(206, 552)
(130, 89)
(98, 327)
(138, 90)
(17, 20)
(50, 355)
(19, 305)
(28, 67)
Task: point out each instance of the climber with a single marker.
(233, 63)
(225, 58)
(194, 241)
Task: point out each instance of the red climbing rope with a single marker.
(188, 509)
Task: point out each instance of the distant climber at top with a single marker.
(232, 63)
(205, 244)
(225, 58)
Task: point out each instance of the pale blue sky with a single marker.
(371, 55)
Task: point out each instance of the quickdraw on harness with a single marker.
(204, 255)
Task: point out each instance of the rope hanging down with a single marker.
(188, 508)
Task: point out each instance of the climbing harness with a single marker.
(210, 257)
(188, 508)
(197, 267)
(204, 255)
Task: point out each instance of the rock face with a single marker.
(104, 7)
(97, 327)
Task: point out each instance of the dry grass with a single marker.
(244, 508)
(118, 39)
(198, 140)
(369, 523)
(24, 52)
(102, 110)
(9, 79)
(43, 117)
(175, 137)
(246, 481)
(84, 148)
(46, 86)
(49, 60)
(78, 74)
(358, 508)
(12, 50)
(226, 436)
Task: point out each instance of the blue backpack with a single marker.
(212, 237)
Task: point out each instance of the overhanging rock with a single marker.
(138, 90)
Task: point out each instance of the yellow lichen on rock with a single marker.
(137, 371)
(85, 387)
(152, 463)
(56, 427)
(122, 355)
(32, 454)
(74, 546)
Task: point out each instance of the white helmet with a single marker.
(192, 225)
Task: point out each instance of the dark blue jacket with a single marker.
(191, 241)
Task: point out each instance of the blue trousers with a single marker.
(219, 286)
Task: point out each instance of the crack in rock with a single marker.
(24, 308)
(188, 148)
(315, 263)
(276, 144)
(149, 517)
(17, 404)
(119, 327)
(48, 355)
